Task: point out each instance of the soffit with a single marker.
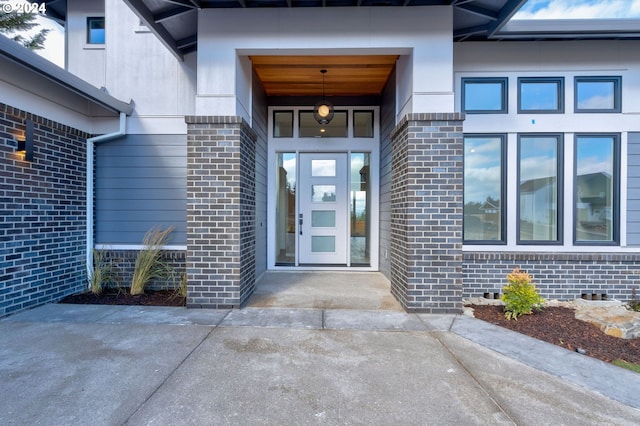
(346, 75)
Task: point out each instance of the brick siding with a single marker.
(124, 261)
(426, 213)
(220, 211)
(42, 205)
(563, 276)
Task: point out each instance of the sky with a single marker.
(54, 43)
(579, 9)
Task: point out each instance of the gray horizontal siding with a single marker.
(140, 183)
(633, 189)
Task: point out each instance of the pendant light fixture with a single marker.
(323, 110)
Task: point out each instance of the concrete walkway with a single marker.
(111, 365)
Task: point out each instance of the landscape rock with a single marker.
(613, 321)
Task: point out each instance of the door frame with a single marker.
(323, 145)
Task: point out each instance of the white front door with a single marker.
(324, 208)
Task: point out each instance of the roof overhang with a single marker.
(175, 22)
(39, 68)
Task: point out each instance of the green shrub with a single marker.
(149, 263)
(104, 272)
(520, 295)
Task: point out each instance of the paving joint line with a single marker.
(475, 379)
(180, 364)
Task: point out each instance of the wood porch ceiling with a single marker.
(361, 75)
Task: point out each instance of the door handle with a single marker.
(300, 221)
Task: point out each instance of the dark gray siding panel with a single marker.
(259, 125)
(141, 182)
(633, 189)
(387, 124)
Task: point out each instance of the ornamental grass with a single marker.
(149, 264)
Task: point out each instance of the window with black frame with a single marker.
(596, 189)
(540, 189)
(485, 95)
(484, 189)
(542, 95)
(95, 30)
(598, 94)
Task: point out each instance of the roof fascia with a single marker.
(171, 13)
(36, 64)
(581, 28)
(506, 13)
(479, 11)
(143, 12)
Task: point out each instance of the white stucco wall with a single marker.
(139, 67)
(422, 34)
(132, 64)
(84, 60)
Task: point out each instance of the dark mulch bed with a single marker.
(150, 298)
(559, 326)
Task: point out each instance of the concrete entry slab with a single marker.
(324, 290)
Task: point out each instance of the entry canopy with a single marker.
(174, 22)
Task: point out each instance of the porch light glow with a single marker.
(25, 143)
(323, 110)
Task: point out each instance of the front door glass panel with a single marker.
(360, 206)
(323, 168)
(286, 209)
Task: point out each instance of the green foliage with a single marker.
(104, 272)
(149, 263)
(627, 365)
(181, 290)
(12, 24)
(520, 295)
(634, 304)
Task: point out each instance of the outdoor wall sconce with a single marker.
(323, 110)
(25, 144)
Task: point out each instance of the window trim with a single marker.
(617, 93)
(560, 93)
(559, 184)
(503, 189)
(503, 81)
(615, 217)
(91, 19)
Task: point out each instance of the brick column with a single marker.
(220, 211)
(426, 212)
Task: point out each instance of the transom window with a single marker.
(598, 94)
(484, 95)
(357, 123)
(541, 95)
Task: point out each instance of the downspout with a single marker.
(91, 142)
